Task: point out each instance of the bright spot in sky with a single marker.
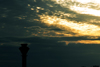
(81, 1)
(79, 28)
(87, 1)
(83, 10)
(80, 8)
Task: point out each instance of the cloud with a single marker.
(46, 19)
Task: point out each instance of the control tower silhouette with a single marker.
(24, 49)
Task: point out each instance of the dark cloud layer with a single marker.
(17, 25)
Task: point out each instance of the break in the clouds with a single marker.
(51, 18)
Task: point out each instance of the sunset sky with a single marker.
(59, 33)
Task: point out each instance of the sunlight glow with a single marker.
(83, 10)
(91, 7)
(88, 41)
(82, 42)
(87, 1)
(83, 1)
(80, 1)
(79, 28)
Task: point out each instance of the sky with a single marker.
(59, 33)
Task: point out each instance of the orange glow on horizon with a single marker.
(82, 42)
